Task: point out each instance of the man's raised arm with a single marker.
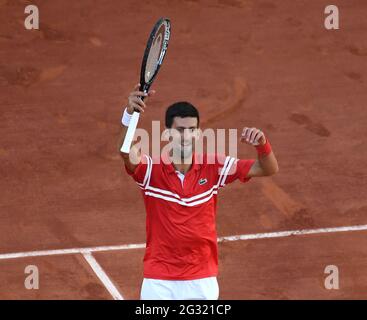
(133, 158)
(266, 163)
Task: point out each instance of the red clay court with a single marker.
(66, 203)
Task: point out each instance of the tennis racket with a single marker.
(154, 54)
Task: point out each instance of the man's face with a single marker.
(184, 132)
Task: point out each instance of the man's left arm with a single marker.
(266, 163)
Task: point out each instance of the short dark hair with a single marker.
(180, 109)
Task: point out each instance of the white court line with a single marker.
(101, 274)
(69, 251)
(254, 236)
(291, 233)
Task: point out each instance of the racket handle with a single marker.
(142, 97)
(130, 132)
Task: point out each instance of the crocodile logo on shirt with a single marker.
(202, 181)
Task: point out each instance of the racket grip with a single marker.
(130, 132)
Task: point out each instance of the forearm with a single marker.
(132, 158)
(121, 139)
(268, 163)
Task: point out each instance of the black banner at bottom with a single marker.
(225, 309)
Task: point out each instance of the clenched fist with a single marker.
(135, 103)
(253, 136)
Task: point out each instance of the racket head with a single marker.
(155, 52)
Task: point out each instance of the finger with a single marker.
(151, 93)
(138, 94)
(248, 135)
(138, 101)
(244, 132)
(253, 134)
(137, 86)
(258, 137)
(137, 107)
(243, 135)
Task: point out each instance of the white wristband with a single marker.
(126, 118)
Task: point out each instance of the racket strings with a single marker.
(154, 56)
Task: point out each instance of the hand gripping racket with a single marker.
(153, 57)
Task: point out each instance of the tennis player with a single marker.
(181, 257)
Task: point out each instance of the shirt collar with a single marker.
(168, 165)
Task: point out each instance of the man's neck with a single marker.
(183, 165)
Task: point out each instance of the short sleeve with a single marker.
(230, 169)
(140, 175)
